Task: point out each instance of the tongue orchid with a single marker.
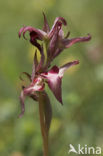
(50, 43)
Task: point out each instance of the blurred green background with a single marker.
(80, 120)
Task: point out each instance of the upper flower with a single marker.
(54, 38)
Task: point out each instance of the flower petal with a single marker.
(53, 44)
(54, 79)
(69, 42)
(26, 92)
(54, 82)
(41, 63)
(55, 86)
(39, 34)
(33, 40)
(57, 23)
(46, 26)
(20, 31)
(35, 64)
(57, 52)
(66, 66)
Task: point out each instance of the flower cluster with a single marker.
(42, 72)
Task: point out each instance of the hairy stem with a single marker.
(43, 125)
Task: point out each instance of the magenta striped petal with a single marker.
(57, 24)
(69, 42)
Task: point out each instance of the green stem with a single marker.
(43, 125)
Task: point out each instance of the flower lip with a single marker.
(54, 78)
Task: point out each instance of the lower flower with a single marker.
(53, 78)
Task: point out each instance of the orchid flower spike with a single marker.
(42, 72)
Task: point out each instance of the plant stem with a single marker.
(43, 125)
